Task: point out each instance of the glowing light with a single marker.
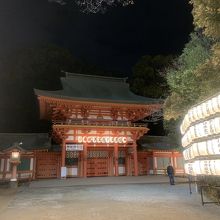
(203, 167)
(201, 138)
(15, 155)
(102, 139)
(200, 130)
(202, 111)
(204, 148)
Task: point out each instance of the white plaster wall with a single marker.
(73, 171)
(2, 165)
(121, 170)
(31, 163)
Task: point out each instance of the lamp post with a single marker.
(14, 160)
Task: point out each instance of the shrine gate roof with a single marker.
(95, 88)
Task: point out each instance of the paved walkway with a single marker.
(110, 198)
(151, 179)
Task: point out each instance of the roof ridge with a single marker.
(119, 79)
(13, 133)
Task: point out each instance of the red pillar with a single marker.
(63, 154)
(116, 158)
(128, 163)
(5, 168)
(155, 164)
(85, 160)
(174, 160)
(135, 160)
(35, 166)
(14, 172)
(80, 166)
(63, 170)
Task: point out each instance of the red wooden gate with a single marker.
(47, 165)
(97, 163)
(97, 167)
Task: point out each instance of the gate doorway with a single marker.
(98, 163)
(47, 165)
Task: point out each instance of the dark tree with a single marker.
(25, 70)
(148, 76)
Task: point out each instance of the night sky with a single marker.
(114, 40)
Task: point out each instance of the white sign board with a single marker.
(74, 147)
(63, 172)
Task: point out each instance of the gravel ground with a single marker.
(102, 202)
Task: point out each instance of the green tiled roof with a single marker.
(96, 88)
(156, 143)
(30, 141)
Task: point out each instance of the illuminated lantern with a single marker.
(216, 146)
(215, 165)
(190, 113)
(187, 121)
(195, 152)
(218, 101)
(181, 129)
(212, 126)
(185, 140)
(199, 111)
(209, 144)
(204, 110)
(189, 168)
(199, 130)
(203, 167)
(210, 107)
(215, 105)
(192, 133)
(196, 167)
(217, 125)
(202, 139)
(195, 115)
(185, 154)
(206, 126)
(202, 148)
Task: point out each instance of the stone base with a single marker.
(13, 184)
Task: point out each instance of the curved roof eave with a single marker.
(55, 94)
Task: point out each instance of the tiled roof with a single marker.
(157, 143)
(29, 141)
(96, 88)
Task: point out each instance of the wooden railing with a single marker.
(98, 123)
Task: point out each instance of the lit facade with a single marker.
(93, 120)
(94, 133)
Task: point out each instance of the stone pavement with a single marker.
(89, 181)
(108, 198)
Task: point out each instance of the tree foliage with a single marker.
(26, 69)
(184, 83)
(196, 74)
(148, 76)
(95, 6)
(206, 15)
(209, 74)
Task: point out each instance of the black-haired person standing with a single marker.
(170, 173)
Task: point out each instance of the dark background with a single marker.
(113, 41)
